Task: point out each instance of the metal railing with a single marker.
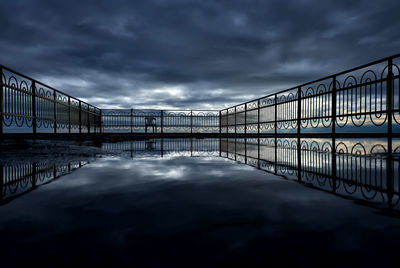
(364, 99)
(160, 121)
(28, 105)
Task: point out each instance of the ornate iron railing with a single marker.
(361, 101)
(28, 105)
(160, 121)
(365, 99)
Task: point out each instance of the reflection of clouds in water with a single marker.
(206, 199)
(120, 171)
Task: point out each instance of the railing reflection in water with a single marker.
(353, 169)
(163, 147)
(17, 179)
(358, 170)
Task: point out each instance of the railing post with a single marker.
(1, 100)
(220, 123)
(258, 152)
(101, 121)
(55, 110)
(191, 121)
(88, 118)
(34, 179)
(389, 104)
(69, 114)
(34, 107)
(220, 145)
(276, 132)
(162, 147)
(162, 121)
(191, 147)
(234, 114)
(333, 120)
(245, 132)
(389, 108)
(227, 121)
(1, 181)
(258, 132)
(275, 114)
(298, 134)
(54, 172)
(258, 116)
(245, 118)
(80, 117)
(131, 121)
(235, 149)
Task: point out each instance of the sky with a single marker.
(191, 54)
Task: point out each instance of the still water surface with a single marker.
(189, 207)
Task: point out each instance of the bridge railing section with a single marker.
(160, 121)
(364, 99)
(29, 106)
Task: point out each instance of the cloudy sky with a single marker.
(191, 53)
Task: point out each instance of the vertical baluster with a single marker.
(55, 110)
(34, 107)
(131, 121)
(80, 117)
(276, 132)
(258, 131)
(88, 118)
(220, 125)
(1, 100)
(389, 108)
(298, 134)
(245, 118)
(34, 179)
(245, 132)
(162, 122)
(258, 116)
(69, 114)
(191, 121)
(333, 122)
(234, 114)
(1, 181)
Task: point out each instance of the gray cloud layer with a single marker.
(189, 53)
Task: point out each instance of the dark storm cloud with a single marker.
(200, 54)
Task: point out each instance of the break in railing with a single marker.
(28, 105)
(160, 121)
(365, 99)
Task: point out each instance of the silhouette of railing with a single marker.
(162, 147)
(364, 100)
(18, 179)
(354, 169)
(166, 121)
(358, 170)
